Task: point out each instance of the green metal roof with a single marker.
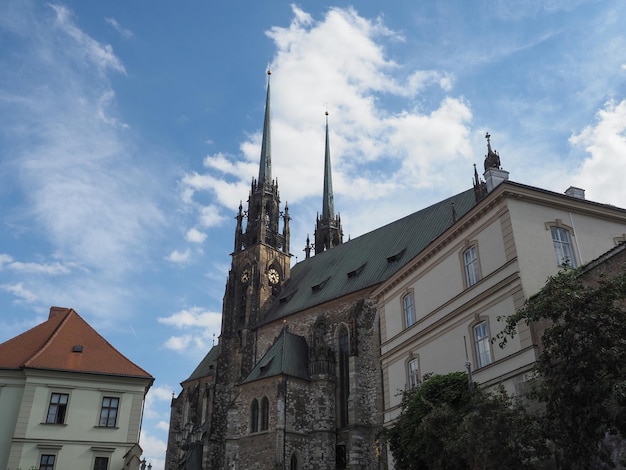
(289, 355)
(204, 368)
(367, 260)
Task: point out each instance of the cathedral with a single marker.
(294, 381)
(312, 358)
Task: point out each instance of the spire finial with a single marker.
(265, 166)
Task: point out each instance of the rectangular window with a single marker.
(46, 462)
(108, 414)
(470, 262)
(408, 305)
(482, 344)
(57, 408)
(413, 371)
(563, 247)
(101, 463)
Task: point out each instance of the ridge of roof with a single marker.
(366, 261)
(66, 342)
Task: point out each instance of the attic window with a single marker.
(357, 271)
(320, 286)
(264, 367)
(396, 257)
(77, 348)
(287, 297)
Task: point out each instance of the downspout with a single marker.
(571, 221)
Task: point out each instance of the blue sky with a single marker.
(130, 131)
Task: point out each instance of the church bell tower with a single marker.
(260, 260)
(328, 232)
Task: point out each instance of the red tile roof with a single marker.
(56, 345)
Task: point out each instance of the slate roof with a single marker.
(289, 355)
(367, 260)
(66, 342)
(204, 368)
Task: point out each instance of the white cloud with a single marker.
(193, 318)
(101, 55)
(339, 63)
(179, 343)
(156, 396)
(4, 259)
(179, 257)
(605, 141)
(18, 290)
(203, 327)
(210, 216)
(52, 269)
(195, 236)
(153, 449)
(125, 33)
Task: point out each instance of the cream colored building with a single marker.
(440, 311)
(69, 400)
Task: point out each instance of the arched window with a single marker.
(344, 376)
(265, 411)
(254, 416)
(293, 464)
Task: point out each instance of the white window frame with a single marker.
(482, 344)
(408, 309)
(471, 267)
(413, 373)
(563, 246)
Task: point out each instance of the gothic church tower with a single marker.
(328, 232)
(260, 260)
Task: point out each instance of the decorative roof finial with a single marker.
(492, 159)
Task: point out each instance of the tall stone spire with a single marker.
(265, 166)
(328, 206)
(328, 232)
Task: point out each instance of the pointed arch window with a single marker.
(293, 464)
(344, 377)
(254, 416)
(265, 411)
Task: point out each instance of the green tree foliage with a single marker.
(445, 424)
(582, 365)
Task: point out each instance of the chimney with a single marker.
(573, 191)
(54, 311)
(495, 176)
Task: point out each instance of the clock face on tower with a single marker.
(272, 276)
(245, 276)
